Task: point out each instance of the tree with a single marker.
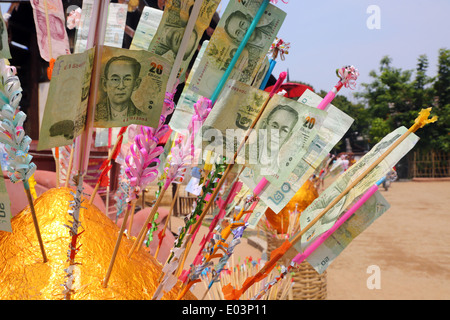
(358, 132)
(441, 132)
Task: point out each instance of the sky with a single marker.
(328, 34)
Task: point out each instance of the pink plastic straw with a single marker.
(302, 256)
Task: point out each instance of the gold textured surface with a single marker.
(303, 197)
(24, 276)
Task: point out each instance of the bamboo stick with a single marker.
(35, 222)
(119, 239)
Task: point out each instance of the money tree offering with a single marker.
(321, 215)
(17, 144)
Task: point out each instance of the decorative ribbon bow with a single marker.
(348, 76)
(279, 47)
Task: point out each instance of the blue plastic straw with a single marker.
(269, 72)
(241, 47)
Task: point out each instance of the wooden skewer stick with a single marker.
(97, 185)
(231, 165)
(419, 123)
(69, 168)
(35, 222)
(174, 200)
(119, 239)
(141, 234)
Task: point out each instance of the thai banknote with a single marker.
(229, 120)
(146, 29)
(5, 207)
(167, 39)
(132, 88)
(345, 179)
(83, 28)
(333, 128)
(115, 24)
(58, 40)
(284, 133)
(184, 110)
(257, 214)
(262, 71)
(327, 252)
(4, 43)
(65, 110)
(102, 137)
(227, 36)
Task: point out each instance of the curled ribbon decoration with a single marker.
(142, 163)
(279, 46)
(178, 163)
(202, 108)
(73, 20)
(12, 134)
(168, 107)
(348, 76)
(276, 1)
(122, 192)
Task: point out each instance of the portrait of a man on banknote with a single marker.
(119, 81)
(279, 125)
(237, 24)
(170, 41)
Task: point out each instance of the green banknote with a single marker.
(167, 40)
(227, 36)
(5, 207)
(146, 29)
(333, 128)
(284, 134)
(4, 43)
(345, 179)
(132, 88)
(65, 110)
(83, 27)
(327, 252)
(229, 120)
(262, 71)
(115, 24)
(184, 110)
(280, 135)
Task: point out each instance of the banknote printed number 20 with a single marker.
(309, 122)
(2, 210)
(154, 68)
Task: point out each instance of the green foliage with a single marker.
(378, 130)
(395, 97)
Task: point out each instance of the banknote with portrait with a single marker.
(226, 39)
(345, 179)
(167, 40)
(131, 89)
(328, 251)
(277, 195)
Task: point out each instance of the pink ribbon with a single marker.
(178, 164)
(144, 152)
(348, 76)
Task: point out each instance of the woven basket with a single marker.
(308, 284)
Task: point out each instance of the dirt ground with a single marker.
(409, 246)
